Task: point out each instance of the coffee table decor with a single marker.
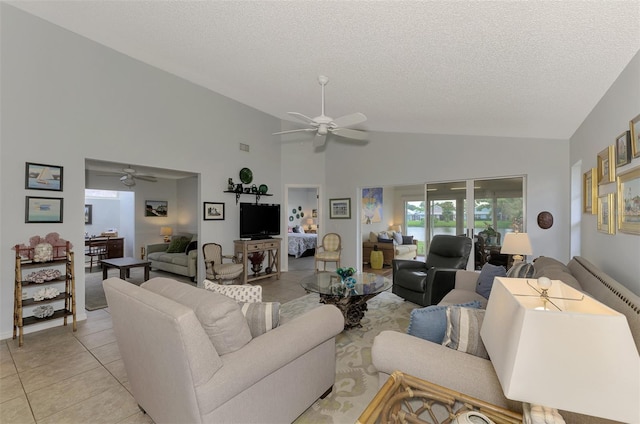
(349, 293)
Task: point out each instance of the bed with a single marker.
(301, 242)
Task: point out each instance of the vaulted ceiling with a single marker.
(496, 68)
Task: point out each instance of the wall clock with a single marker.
(545, 220)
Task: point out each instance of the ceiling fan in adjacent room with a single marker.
(128, 177)
(323, 125)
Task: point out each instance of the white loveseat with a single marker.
(190, 359)
(475, 376)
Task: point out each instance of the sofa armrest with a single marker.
(466, 280)
(269, 352)
(399, 264)
(441, 365)
(157, 247)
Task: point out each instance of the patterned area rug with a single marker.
(356, 378)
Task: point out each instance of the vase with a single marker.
(256, 268)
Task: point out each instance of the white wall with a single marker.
(66, 98)
(618, 255)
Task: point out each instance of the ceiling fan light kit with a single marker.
(324, 125)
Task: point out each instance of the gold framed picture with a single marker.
(634, 128)
(606, 211)
(629, 201)
(606, 165)
(623, 149)
(589, 192)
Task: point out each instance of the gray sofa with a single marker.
(475, 376)
(181, 263)
(170, 335)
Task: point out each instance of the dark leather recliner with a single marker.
(419, 282)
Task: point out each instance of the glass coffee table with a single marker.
(351, 301)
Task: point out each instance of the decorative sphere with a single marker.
(544, 283)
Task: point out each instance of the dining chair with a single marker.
(329, 251)
(216, 269)
(96, 249)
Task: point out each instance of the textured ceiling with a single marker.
(511, 68)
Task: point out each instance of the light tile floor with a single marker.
(59, 376)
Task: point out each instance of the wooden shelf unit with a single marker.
(271, 247)
(63, 256)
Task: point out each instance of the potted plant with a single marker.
(256, 259)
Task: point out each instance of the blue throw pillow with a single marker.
(430, 323)
(485, 280)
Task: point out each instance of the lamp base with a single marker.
(167, 239)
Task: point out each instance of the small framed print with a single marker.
(340, 208)
(623, 149)
(629, 201)
(606, 212)
(634, 129)
(43, 209)
(213, 211)
(156, 208)
(88, 214)
(589, 192)
(606, 166)
(39, 176)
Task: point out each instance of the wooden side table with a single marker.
(405, 398)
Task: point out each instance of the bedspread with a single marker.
(300, 242)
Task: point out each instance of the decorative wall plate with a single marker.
(263, 189)
(291, 218)
(246, 176)
(545, 220)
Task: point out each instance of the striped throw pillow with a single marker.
(521, 270)
(261, 316)
(463, 331)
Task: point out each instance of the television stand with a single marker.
(261, 237)
(271, 248)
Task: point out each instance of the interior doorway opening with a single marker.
(302, 215)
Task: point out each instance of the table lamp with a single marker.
(309, 223)
(397, 228)
(576, 355)
(166, 232)
(516, 244)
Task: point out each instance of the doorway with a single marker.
(302, 216)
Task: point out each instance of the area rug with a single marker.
(356, 378)
(94, 297)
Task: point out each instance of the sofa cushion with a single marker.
(261, 316)
(485, 280)
(373, 237)
(521, 270)
(430, 323)
(544, 261)
(178, 244)
(219, 315)
(240, 293)
(397, 237)
(193, 245)
(407, 240)
(463, 330)
(554, 270)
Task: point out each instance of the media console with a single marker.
(271, 247)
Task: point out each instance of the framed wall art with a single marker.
(213, 211)
(155, 207)
(88, 214)
(606, 166)
(39, 176)
(634, 129)
(629, 201)
(43, 209)
(589, 192)
(623, 149)
(340, 208)
(372, 205)
(606, 212)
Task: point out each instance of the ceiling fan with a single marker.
(323, 124)
(129, 176)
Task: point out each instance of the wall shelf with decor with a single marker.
(238, 194)
(47, 275)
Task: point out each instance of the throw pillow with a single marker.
(485, 280)
(407, 239)
(383, 235)
(397, 237)
(373, 237)
(430, 323)
(178, 245)
(521, 270)
(383, 240)
(463, 331)
(219, 315)
(239, 293)
(261, 316)
(193, 245)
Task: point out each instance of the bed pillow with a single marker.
(430, 323)
(463, 331)
(261, 316)
(485, 280)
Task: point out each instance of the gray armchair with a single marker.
(426, 283)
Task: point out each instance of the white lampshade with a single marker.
(397, 228)
(166, 232)
(516, 244)
(581, 358)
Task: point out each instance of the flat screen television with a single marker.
(259, 220)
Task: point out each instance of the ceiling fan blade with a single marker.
(303, 118)
(149, 178)
(349, 120)
(349, 133)
(319, 140)
(294, 131)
